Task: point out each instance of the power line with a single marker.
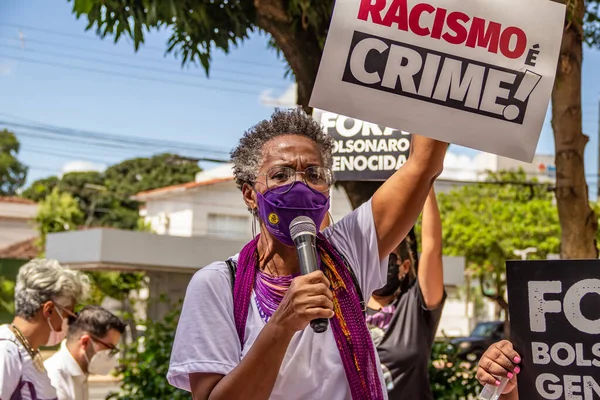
(587, 175)
(136, 141)
(98, 149)
(77, 135)
(121, 139)
(74, 157)
(122, 75)
(137, 67)
(73, 140)
(128, 56)
(41, 168)
(82, 141)
(83, 157)
(84, 37)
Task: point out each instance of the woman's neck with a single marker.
(30, 329)
(276, 258)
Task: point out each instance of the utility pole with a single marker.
(523, 253)
(92, 209)
(21, 39)
(598, 173)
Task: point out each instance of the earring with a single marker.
(331, 225)
(331, 221)
(254, 218)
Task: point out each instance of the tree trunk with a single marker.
(299, 47)
(359, 193)
(577, 220)
(500, 302)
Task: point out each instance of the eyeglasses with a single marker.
(114, 350)
(71, 316)
(279, 179)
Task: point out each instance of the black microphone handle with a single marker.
(319, 325)
(307, 256)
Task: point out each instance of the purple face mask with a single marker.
(278, 210)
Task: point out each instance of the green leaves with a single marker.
(146, 363)
(13, 173)
(83, 6)
(114, 284)
(58, 212)
(197, 26)
(139, 174)
(487, 222)
(7, 294)
(104, 198)
(41, 188)
(506, 213)
(449, 377)
(591, 23)
(312, 15)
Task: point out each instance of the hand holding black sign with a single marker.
(555, 326)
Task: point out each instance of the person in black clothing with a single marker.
(403, 316)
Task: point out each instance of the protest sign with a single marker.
(364, 151)
(477, 73)
(555, 326)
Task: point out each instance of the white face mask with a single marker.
(102, 362)
(57, 337)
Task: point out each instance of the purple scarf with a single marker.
(349, 328)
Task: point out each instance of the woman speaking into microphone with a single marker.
(244, 330)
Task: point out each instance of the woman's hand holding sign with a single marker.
(500, 361)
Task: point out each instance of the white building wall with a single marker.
(221, 198)
(15, 230)
(16, 222)
(181, 222)
(542, 167)
(457, 318)
(171, 215)
(340, 204)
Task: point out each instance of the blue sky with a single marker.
(54, 72)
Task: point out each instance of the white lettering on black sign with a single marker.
(439, 78)
(558, 332)
(364, 151)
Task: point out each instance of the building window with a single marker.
(231, 226)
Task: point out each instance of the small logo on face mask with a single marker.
(273, 219)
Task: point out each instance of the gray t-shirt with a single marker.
(404, 344)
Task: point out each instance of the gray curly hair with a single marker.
(41, 280)
(247, 156)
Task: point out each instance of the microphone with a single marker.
(304, 235)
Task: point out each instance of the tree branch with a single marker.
(497, 297)
(299, 46)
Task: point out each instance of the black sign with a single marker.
(555, 327)
(444, 79)
(364, 151)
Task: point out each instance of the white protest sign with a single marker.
(477, 73)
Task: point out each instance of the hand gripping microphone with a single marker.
(304, 235)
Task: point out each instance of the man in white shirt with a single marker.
(90, 348)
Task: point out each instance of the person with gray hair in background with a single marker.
(90, 348)
(45, 296)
